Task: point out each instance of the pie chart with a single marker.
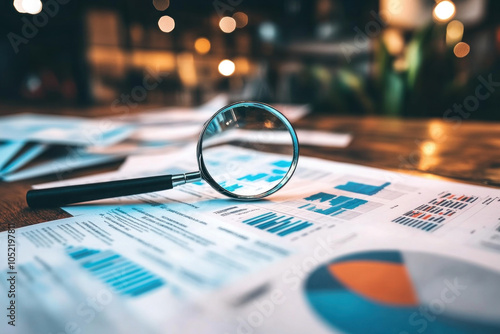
(391, 291)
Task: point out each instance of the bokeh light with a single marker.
(29, 6)
(161, 5)
(241, 19)
(226, 67)
(227, 24)
(202, 45)
(268, 31)
(444, 11)
(166, 23)
(243, 65)
(18, 5)
(461, 50)
(454, 32)
(394, 41)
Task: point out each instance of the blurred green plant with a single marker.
(424, 81)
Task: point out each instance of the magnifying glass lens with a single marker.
(236, 156)
(238, 150)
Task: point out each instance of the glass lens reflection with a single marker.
(237, 146)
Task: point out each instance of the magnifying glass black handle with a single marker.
(56, 197)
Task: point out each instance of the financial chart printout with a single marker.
(384, 245)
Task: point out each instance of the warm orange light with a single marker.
(226, 67)
(429, 147)
(202, 45)
(166, 23)
(241, 19)
(461, 50)
(444, 11)
(161, 5)
(394, 41)
(227, 24)
(243, 65)
(454, 32)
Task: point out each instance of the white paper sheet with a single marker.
(140, 267)
(63, 130)
(366, 249)
(8, 150)
(59, 166)
(24, 158)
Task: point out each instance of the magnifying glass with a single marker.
(249, 131)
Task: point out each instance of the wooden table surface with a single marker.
(461, 151)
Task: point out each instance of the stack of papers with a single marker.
(25, 137)
(34, 145)
(340, 249)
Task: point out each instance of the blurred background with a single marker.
(401, 58)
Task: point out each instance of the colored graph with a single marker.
(241, 183)
(122, 275)
(432, 215)
(275, 175)
(361, 188)
(398, 292)
(335, 205)
(376, 188)
(281, 225)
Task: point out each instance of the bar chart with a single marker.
(432, 215)
(122, 275)
(361, 188)
(275, 175)
(379, 189)
(265, 219)
(329, 204)
(281, 225)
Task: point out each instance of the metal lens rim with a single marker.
(295, 159)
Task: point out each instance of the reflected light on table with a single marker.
(437, 131)
(428, 157)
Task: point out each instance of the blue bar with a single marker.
(251, 221)
(338, 213)
(295, 229)
(121, 267)
(322, 197)
(270, 223)
(283, 226)
(282, 163)
(126, 282)
(121, 276)
(82, 253)
(252, 178)
(145, 288)
(361, 188)
(91, 264)
(274, 178)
